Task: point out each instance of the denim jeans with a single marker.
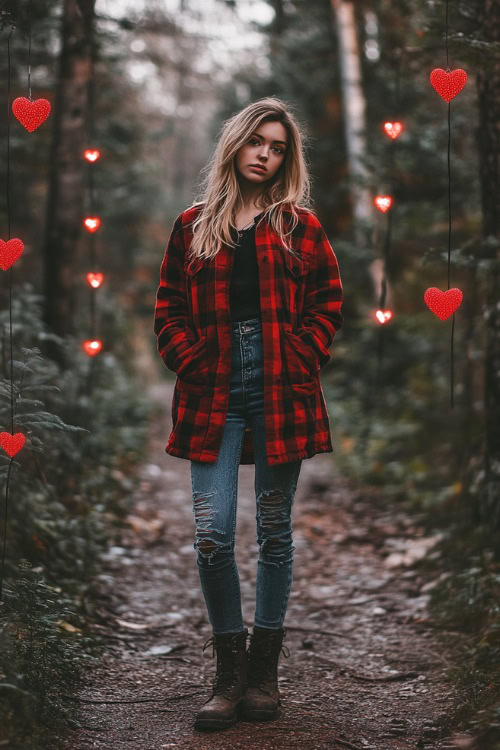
(215, 489)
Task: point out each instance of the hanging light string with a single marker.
(92, 345)
(388, 234)
(29, 50)
(90, 170)
(10, 316)
(449, 218)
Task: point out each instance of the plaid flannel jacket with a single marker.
(300, 299)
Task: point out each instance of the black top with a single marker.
(244, 292)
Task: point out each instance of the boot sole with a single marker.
(259, 715)
(215, 723)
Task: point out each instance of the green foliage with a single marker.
(466, 599)
(68, 489)
(42, 650)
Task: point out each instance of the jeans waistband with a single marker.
(247, 326)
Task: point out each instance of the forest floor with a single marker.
(367, 666)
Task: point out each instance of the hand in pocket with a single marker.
(193, 367)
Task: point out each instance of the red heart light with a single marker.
(92, 347)
(10, 251)
(12, 444)
(92, 223)
(383, 316)
(393, 129)
(31, 114)
(443, 304)
(383, 202)
(92, 154)
(448, 83)
(94, 279)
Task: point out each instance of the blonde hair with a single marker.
(220, 188)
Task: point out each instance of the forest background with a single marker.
(166, 75)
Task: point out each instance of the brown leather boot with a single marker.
(221, 709)
(262, 698)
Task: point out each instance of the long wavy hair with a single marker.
(220, 190)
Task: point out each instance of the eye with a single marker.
(276, 148)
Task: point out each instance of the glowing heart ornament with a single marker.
(10, 251)
(92, 223)
(12, 444)
(92, 347)
(383, 316)
(383, 202)
(94, 279)
(31, 114)
(393, 129)
(91, 154)
(448, 83)
(443, 304)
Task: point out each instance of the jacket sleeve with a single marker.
(321, 317)
(171, 315)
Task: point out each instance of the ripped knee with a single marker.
(207, 546)
(204, 513)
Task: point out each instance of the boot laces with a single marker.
(228, 667)
(263, 661)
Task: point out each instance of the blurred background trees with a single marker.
(167, 73)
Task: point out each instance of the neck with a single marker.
(250, 195)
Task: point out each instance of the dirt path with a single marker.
(366, 669)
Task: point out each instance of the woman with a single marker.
(247, 308)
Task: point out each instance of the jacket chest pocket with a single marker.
(295, 267)
(193, 266)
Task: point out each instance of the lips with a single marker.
(258, 167)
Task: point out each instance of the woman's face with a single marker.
(265, 146)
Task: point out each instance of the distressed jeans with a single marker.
(215, 490)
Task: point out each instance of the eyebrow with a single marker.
(261, 136)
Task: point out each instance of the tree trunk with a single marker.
(354, 112)
(65, 201)
(277, 27)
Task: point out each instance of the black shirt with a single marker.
(244, 292)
